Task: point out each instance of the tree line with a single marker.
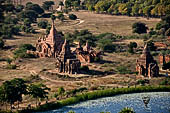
(147, 8)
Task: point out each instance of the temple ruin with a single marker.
(146, 65)
(49, 46)
(86, 53)
(66, 61)
(54, 46)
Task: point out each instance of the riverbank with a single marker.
(97, 94)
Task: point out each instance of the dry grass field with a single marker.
(102, 23)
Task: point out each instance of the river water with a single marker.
(156, 102)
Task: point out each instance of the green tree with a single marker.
(106, 45)
(60, 16)
(19, 8)
(61, 91)
(43, 24)
(2, 43)
(13, 91)
(166, 66)
(38, 91)
(72, 17)
(47, 5)
(35, 7)
(139, 28)
(131, 46)
(32, 15)
(151, 45)
(9, 8)
(127, 110)
(21, 51)
(53, 17)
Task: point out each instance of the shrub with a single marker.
(72, 17)
(165, 82)
(42, 24)
(127, 110)
(21, 51)
(106, 45)
(84, 68)
(2, 43)
(139, 28)
(11, 66)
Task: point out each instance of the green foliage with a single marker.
(60, 16)
(61, 91)
(127, 110)
(2, 43)
(131, 46)
(72, 3)
(47, 5)
(71, 112)
(35, 7)
(12, 91)
(19, 8)
(164, 25)
(99, 94)
(21, 51)
(9, 8)
(84, 68)
(105, 45)
(148, 8)
(38, 91)
(151, 46)
(72, 17)
(11, 66)
(43, 24)
(165, 82)
(53, 17)
(83, 36)
(166, 66)
(139, 28)
(123, 70)
(30, 14)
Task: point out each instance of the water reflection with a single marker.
(158, 102)
(146, 101)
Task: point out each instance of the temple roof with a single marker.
(52, 35)
(146, 56)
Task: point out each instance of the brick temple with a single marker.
(86, 53)
(54, 46)
(146, 65)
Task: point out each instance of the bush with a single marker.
(43, 24)
(84, 68)
(21, 51)
(139, 28)
(72, 17)
(165, 82)
(11, 66)
(127, 110)
(2, 43)
(106, 45)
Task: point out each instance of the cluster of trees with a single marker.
(72, 3)
(21, 52)
(12, 91)
(101, 41)
(164, 26)
(148, 8)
